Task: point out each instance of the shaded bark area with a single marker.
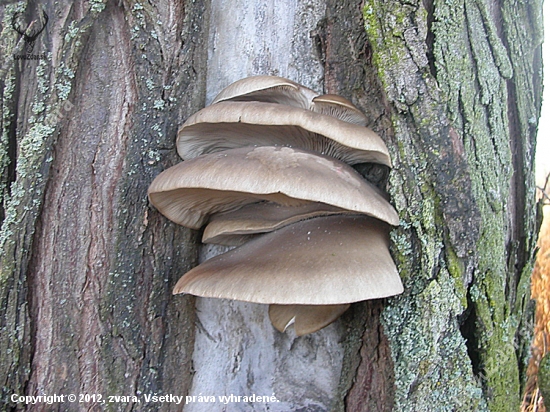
(373, 383)
(367, 380)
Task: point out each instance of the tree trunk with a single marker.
(87, 265)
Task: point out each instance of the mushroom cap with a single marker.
(306, 318)
(229, 125)
(328, 260)
(192, 190)
(235, 227)
(271, 89)
(274, 89)
(339, 107)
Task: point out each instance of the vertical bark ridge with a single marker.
(524, 91)
(100, 121)
(464, 169)
(73, 245)
(40, 111)
(367, 380)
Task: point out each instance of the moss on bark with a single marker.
(459, 184)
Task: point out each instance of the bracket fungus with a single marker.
(229, 125)
(192, 190)
(325, 260)
(273, 89)
(233, 228)
(268, 167)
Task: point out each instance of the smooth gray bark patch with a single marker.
(237, 350)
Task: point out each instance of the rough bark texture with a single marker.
(87, 269)
(463, 85)
(87, 266)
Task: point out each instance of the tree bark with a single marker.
(87, 265)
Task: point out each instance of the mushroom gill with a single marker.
(273, 89)
(339, 107)
(229, 125)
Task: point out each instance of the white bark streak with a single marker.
(237, 351)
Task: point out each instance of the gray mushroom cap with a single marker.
(308, 263)
(229, 125)
(191, 191)
(274, 89)
(271, 89)
(339, 107)
(235, 227)
(306, 318)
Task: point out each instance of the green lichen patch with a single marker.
(451, 185)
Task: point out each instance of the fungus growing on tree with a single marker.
(339, 107)
(310, 262)
(233, 228)
(268, 168)
(229, 125)
(273, 89)
(305, 318)
(270, 89)
(192, 190)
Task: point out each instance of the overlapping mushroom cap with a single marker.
(190, 191)
(268, 166)
(272, 89)
(229, 125)
(235, 227)
(321, 261)
(339, 107)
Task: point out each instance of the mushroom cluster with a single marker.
(271, 168)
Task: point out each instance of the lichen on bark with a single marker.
(81, 256)
(447, 70)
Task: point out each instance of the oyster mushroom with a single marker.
(270, 167)
(229, 125)
(191, 191)
(306, 263)
(305, 318)
(339, 107)
(235, 227)
(270, 89)
(274, 89)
